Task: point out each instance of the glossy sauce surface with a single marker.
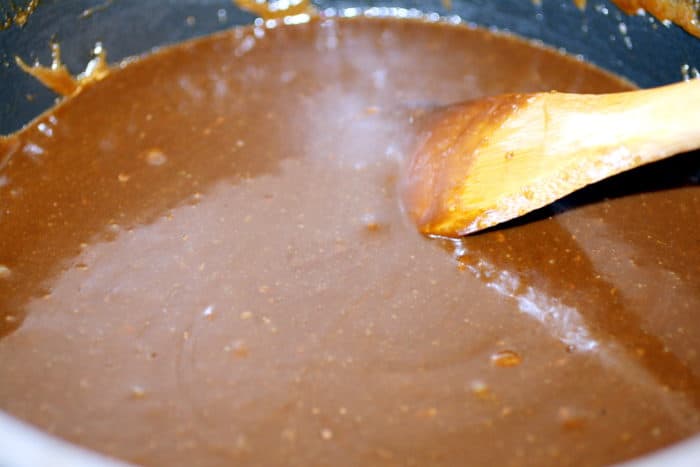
(204, 262)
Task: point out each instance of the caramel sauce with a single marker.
(203, 261)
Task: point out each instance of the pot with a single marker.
(639, 48)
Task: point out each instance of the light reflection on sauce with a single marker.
(563, 322)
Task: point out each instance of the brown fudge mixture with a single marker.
(204, 262)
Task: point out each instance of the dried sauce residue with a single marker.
(17, 15)
(682, 12)
(277, 9)
(92, 10)
(59, 79)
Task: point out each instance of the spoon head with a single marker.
(440, 193)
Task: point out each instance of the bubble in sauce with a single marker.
(156, 157)
(506, 358)
(372, 223)
(138, 392)
(45, 129)
(5, 272)
(238, 348)
(208, 312)
(241, 443)
(480, 389)
(570, 419)
(33, 150)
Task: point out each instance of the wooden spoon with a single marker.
(490, 160)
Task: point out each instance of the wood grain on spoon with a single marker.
(487, 161)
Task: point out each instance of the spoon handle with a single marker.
(637, 127)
